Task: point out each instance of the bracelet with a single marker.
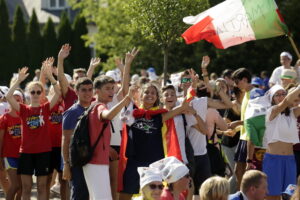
(54, 83)
(249, 161)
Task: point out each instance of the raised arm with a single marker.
(110, 114)
(287, 101)
(217, 104)
(175, 111)
(93, 64)
(126, 73)
(205, 62)
(63, 53)
(22, 75)
(48, 73)
(43, 75)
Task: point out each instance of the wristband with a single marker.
(249, 161)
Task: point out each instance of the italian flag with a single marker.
(233, 22)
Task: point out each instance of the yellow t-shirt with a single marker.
(246, 98)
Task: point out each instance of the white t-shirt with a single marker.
(276, 74)
(4, 108)
(198, 140)
(179, 125)
(116, 127)
(283, 128)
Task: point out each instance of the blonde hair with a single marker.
(214, 188)
(252, 178)
(35, 83)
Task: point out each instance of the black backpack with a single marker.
(81, 151)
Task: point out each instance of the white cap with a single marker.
(18, 93)
(287, 54)
(68, 77)
(3, 91)
(171, 169)
(273, 90)
(113, 74)
(148, 175)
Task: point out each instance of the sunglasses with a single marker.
(38, 92)
(186, 80)
(86, 90)
(153, 187)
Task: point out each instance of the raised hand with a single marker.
(131, 55)
(64, 51)
(119, 63)
(95, 62)
(205, 61)
(47, 67)
(22, 74)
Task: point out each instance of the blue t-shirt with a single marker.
(70, 116)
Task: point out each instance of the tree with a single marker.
(161, 20)
(34, 42)
(64, 35)
(80, 53)
(49, 39)
(5, 44)
(18, 35)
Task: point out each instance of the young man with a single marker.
(253, 187)
(242, 79)
(84, 91)
(96, 172)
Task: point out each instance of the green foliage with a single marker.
(18, 35)
(80, 53)
(64, 35)
(5, 43)
(49, 39)
(35, 43)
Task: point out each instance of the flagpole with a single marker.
(294, 46)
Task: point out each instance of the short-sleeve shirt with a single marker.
(145, 139)
(243, 135)
(70, 98)
(12, 135)
(101, 153)
(36, 136)
(56, 124)
(70, 116)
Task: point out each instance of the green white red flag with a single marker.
(233, 22)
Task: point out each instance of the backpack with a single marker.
(81, 151)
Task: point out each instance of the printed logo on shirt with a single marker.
(15, 131)
(56, 118)
(35, 121)
(144, 125)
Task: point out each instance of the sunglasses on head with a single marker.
(154, 186)
(33, 92)
(186, 80)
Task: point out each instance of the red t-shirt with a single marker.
(70, 98)
(12, 135)
(101, 153)
(56, 124)
(36, 136)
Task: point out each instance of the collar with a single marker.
(244, 196)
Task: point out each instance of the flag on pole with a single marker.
(234, 22)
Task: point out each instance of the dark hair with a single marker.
(157, 102)
(83, 81)
(185, 73)
(202, 92)
(100, 81)
(241, 73)
(237, 92)
(168, 87)
(143, 80)
(227, 73)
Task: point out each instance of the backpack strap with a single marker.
(184, 124)
(100, 135)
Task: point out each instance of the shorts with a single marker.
(34, 163)
(56, 160)
(202, 171)
(11, 163)
(281, 171)
(131, 178)
(241, 151)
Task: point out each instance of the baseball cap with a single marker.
(256, 81)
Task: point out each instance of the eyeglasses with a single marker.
(187, 176)
(86, 90)
(280, 94)
(38, 92)
(153, 186)
(186, 80)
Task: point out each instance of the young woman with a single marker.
(36, 145)
(281, 133)
(150, 184)
(143, 133)
(10, 137)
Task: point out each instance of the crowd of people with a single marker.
(197, 136)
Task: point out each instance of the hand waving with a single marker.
(22, 74)
(131, 55)
(95, 62)
(205, 61)
(64, 51)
